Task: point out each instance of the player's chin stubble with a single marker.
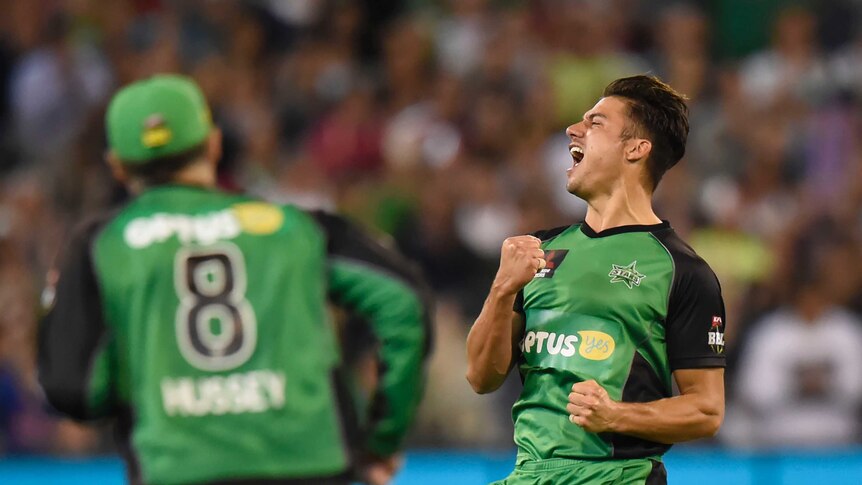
(572, 186)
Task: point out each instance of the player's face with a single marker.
(596, 146)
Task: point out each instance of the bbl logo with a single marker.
(553, 259)
(716, 335)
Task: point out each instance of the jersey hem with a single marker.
(527, 463)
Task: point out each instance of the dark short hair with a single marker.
(163, 170)
(660, 114)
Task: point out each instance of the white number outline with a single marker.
(236, 298)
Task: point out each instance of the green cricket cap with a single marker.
(157, 117)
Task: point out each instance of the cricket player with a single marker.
(199, 318)
(608, 312)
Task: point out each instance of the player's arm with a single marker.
(379, 285)
(74, 341)
(492, 345)
(694, 331)
(696, 413)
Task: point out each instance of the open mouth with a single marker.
(577, 153)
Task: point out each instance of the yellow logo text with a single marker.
(596, 345)
(258, 217)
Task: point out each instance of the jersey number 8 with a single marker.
(216, 326)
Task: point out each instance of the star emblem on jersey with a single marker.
(626, 274)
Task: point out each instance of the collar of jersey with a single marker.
(590, 232)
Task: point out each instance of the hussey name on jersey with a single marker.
(250, 392)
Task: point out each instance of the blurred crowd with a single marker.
(439, 126)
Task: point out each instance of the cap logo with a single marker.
(206, 116)
(156, 133)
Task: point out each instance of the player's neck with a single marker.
(197, 174)
(630, 205)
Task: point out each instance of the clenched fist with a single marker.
(591, 408)
(520, 259)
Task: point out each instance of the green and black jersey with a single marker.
(200, 319)
(626, 307)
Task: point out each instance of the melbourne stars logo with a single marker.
(626, 274)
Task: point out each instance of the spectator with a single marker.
(800, 369)
(428, 120)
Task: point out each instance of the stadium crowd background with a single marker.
(440, 124)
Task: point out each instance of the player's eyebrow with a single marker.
(592, 117)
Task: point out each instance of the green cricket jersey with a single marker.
(626, 307)
(200, 319)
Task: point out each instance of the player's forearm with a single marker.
(398, 311)
(671, 420)
(400, 327)
(75, 367)
(489, 344)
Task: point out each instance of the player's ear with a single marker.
(117, 169)
(637, 149)
(214, 146)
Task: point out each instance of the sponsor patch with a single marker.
(553, 259)
(589, 344)
(715, 335)
(258, 217)
(596, 345)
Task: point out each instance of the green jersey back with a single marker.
(159, 263)
(216, 338)
(625, 307)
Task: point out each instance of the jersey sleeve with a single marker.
(695, 319)
(74, 343)
(383, 288)
(518, 306)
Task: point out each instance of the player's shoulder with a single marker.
(329, 221)
(348, 240)
(342, 233)
(548, 234)
(82, 238)
(687, 263)
(95, 224)
(252, 209)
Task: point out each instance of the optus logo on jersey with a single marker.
(596, 345)
(202, 229)
(593, 344)
(256, 218)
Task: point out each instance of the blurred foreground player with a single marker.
(607, 312)
(199, 317)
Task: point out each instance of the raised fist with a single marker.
(520, 259)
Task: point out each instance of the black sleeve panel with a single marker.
(346, 240)
(385, 290)
(73, 333)
(544, 235)
(548, 234)
(519, 302)
(695, 318)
